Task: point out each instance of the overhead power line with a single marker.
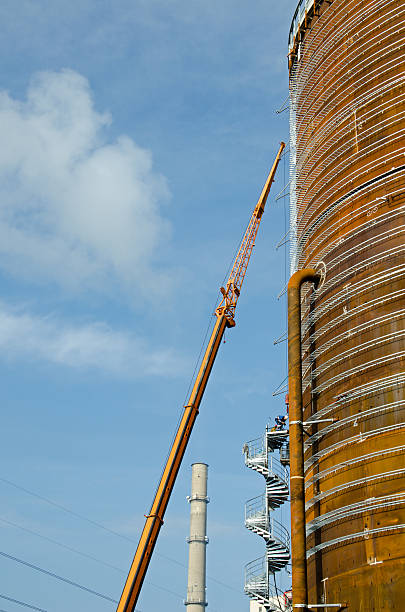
(62, 579)
(107, 529)
(62, 545)
(61, 507)
(22, 603)
(57, 577)
(84, 554)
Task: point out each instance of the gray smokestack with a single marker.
(198, 540)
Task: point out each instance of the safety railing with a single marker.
(298, 18)
(355, 484)
(256, 512)
(257, 585)
(256, 580)
(257, 515)
(255, 454)
(344, 513)
(279, 533)
(356, 439)
(255, 449)
(390, 275)
(348, 463)
(276, 469)
(275, 438)
(334, 224)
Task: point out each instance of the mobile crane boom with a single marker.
(225, 314)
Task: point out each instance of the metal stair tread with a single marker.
(259, 520)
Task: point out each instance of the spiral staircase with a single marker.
(259, 574)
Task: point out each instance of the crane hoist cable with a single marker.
(225, 317)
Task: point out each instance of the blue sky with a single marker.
(136, 139)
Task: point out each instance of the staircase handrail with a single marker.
(255, 448)
(279, 532)
(256, 574)
(274, 466)
(256, 569)
(256, 506)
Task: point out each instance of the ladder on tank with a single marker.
(259, 456)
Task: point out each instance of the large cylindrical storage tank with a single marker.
(347, 139)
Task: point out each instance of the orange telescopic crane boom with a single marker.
(225, 314)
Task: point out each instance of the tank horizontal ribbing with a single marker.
(347, 84)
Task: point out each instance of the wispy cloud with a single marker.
(75, 208)
(24, 336)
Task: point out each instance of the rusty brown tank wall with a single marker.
(348, 98)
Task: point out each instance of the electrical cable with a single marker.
(72, 512)
(32, 566)
(62, 545)
(57, 577)
(85, 555)
(22, 603)
(77, 515)
(105, 563)
(59, 506)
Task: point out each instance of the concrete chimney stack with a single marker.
(197, 540)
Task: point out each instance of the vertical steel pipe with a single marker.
(347, 196)
(297, 488)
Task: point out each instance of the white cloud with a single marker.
(74, 208)
(94, 346)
